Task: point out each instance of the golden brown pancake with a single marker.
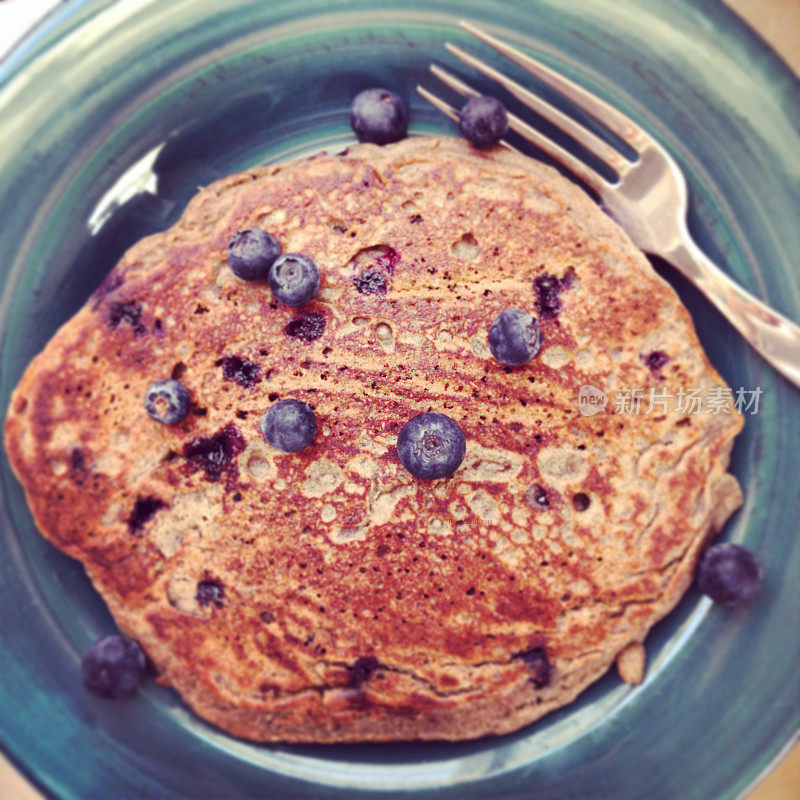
(329, 595)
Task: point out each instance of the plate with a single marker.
(114, 112)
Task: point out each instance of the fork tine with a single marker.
(450, 112)
(615, 120)
(594, 144)
(573, 164)
(446, 109)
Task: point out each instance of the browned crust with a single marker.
(445, 608)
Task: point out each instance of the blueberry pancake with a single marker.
(329, 594)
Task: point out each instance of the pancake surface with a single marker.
(328, 595)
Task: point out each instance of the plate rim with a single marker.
(42, 37)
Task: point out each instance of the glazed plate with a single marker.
(113, 113)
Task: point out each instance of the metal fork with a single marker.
(648, 199)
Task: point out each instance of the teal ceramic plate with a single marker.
(112, 113)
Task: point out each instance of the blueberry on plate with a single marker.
(378, 116)
(730, 575)
(113, 667)
(167, 401)
(251, 253)
(294, 279)
(431, 445)
(483, 121)
(289, 425)
(514, 337)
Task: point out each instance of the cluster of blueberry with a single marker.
(430, 445)
(114, 666)
(728, 573)
(255, 255)
(380, 116)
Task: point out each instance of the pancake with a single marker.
(328, 595)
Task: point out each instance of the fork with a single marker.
(648, 198)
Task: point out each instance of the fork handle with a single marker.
(772, 335)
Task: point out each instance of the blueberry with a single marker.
(431, 445)
(378, 116)
(483, 121)
(289, 425)
(655, 361)
(539, 665)
(210, 591)
(127, 313)
(244, 372)
(251, 253)
(294, 279)
(167, 401)
(514, 337)
(370, 281)
(361, 669)
(536, 496)
(144, 509)
(76, 459)
(581, 501)
(548, 290)
(217, 453)
(113, 666)
(306, 327)
(730, 575)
